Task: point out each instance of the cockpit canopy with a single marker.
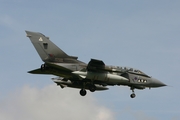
(127, 69)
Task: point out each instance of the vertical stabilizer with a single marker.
(46, 49)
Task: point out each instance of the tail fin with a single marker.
(47, 50)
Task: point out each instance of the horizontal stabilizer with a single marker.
(39, 71)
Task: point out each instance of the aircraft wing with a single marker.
(57, 70)
(96, 65)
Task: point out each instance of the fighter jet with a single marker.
(94, 76)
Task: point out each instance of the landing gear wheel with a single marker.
(82, 92)
(133, 95)
(92, 88)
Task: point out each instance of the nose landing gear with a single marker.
(133, 95)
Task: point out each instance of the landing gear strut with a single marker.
(133, 95)
(83, 91)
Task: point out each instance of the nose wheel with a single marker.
(133, 95)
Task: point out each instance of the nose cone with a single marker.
(157, 83)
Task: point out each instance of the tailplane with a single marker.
(47, 50)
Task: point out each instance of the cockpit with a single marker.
(127, 69)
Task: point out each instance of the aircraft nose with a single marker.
(157, 83)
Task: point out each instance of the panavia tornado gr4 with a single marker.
(94, 76)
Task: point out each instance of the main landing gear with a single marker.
(92, 88)
(83, 92)
(133, 95)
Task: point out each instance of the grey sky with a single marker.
(140, 34)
